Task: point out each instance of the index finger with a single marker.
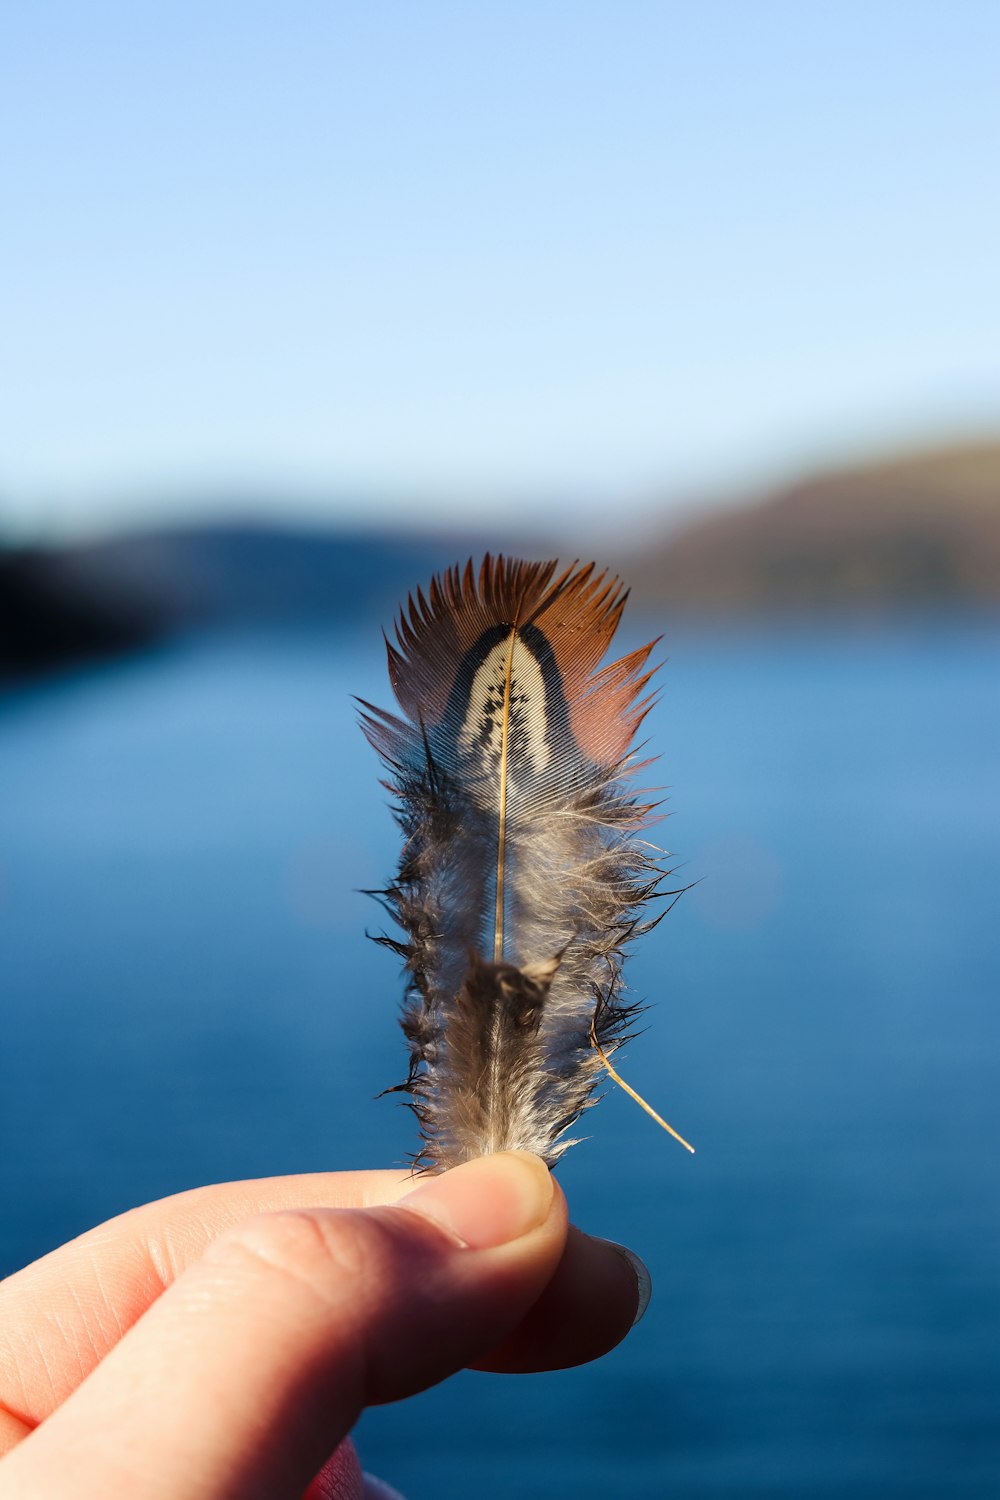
(60, 1316)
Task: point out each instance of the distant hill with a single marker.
(49, 620)
(254, 572)
(916, 531)
(912, 533)
(66, 604)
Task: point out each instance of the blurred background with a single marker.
(300, 304)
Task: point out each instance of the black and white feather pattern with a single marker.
(523, 873)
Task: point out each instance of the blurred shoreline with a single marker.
(909, 535)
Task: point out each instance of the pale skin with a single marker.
(221, 1344)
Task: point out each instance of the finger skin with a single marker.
(248, 1371)
(586, 1309)
(60, 1317)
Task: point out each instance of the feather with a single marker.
(523, 874)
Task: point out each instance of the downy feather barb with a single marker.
(523, 874)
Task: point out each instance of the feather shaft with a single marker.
(502, 815)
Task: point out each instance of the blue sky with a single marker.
(423, 256)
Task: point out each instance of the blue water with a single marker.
(187, 996)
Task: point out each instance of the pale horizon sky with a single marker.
(432, 257)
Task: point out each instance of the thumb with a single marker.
(246, 1373)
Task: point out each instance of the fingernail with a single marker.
(487, 1202)
(643, 1280)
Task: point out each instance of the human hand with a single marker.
(219, 1345)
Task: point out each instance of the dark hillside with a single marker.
(918, 531)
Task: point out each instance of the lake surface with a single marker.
(188, 996)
